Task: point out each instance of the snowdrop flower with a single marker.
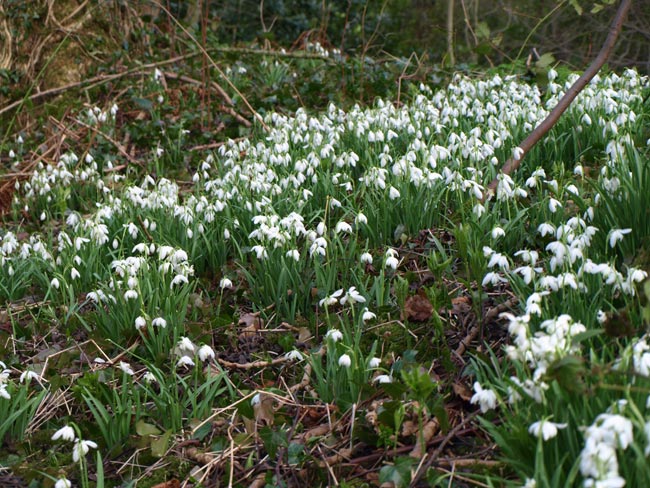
(368, 315)
(517, 153)
(225, 283)
(55, 283)
(361, 218)
(374, 363)
(366, 258)
(352, 295)
(185, 361)
(140, 322)
(65, 433)
(332, 299)
(343, 227)
(28, 376)
(498, 232)
(478, 210)
(553, 205)
(63, 483)
(546, 229)
(205, 353)
(545, 429)
(391, 261)
(159, 322)
(130, 295)
(293, 254)
(185, 344)
(616, 235)
(493, 278)
(150, 377)
(260, 252)
(345, 361)
(486, 399)
(126, 367)
(393, 193)
(178, 279)
(81, 448)
(334, 334)
(383, 378)
(294, 355)
(3, 392)
(74, 274)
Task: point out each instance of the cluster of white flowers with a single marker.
(609, 432)
(186, 351)
(80, 447)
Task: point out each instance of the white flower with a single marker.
(368, 315)
(257, 398)
(361, 218)
(4, 393)
(343, 227)
(55, 283)
(130, 295)
(293, 254)
(545, 429)
(334, 334)
(206, 353)
(225, 283)
(81, 449)
(517, 153)
(28, 376)
(149, 377)
(63, 483)
(185, 344)
(486, 399)
(126, 367)
(393, 193)
(374, 363)
(366, 258)
(159, 322)
(178, 279)
(332, 299)
(553, 205)
(140, 322)
(185, 361)
(616, 235)
(345, 361)
(498, 232)
(74, 274)
(383, 378)
(294, 355)
(260, 252)
(546, 229)
(66, 433)
(392, 262)
(352, 295)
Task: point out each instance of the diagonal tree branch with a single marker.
(551, 119)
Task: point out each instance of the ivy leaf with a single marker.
(399, 474)
(273, 439)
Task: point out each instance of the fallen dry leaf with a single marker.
(417, 308)
(168, 484)
(263, 409)
(428, 431)
(463, 391)
(251, 323)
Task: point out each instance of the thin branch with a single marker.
(551, 119)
